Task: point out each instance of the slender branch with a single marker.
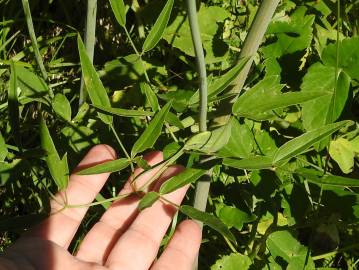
(35, 46)
(90, 39)
(122, 146)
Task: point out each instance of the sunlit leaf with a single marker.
(123, 112)
(62, 106)
(234, 261)
(150, 95)
(152, 132)
(119, 9)
(148, 200)
(188, 176)
(3, 148)
(209, 220)
(106, 167)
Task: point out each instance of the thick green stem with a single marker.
(250, 47)
(201, 64)
(90, 39)
(35, 46)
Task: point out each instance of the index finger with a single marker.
(61, 226)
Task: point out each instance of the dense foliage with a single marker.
(283, 166)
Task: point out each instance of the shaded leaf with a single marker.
(119, 9)
(3, 148)
(298, 145)
(156, 33)
(62, 106)
(188, 176)
(106, 167)
(13, 105)
(150, 95)
(142, 163)
(197, 141)
(252, 163)
(94, 86)
(148, 200)
(209, 220)
(123, 112)
(152, 132)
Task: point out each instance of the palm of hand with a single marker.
(122, 239)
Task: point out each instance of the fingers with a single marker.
(182, 249)
(143, 237)
(99, 241)
(61, 226)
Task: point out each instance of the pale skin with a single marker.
(123, 238)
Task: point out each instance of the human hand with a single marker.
(123, 238)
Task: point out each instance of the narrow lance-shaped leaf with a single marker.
(3, 148)
(188, 176)
(297, 145)
(13, 104)
(58, 167)
(152, 132)
(62, 106)
(158, 28)
(123, 112)
(150, 95)
(107, 167)
(119, 9)
(94, 86)
(221, 83)
(148, 200)
(253, 163)
(330, 180)
(208, 219)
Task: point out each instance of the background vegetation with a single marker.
(283, 169)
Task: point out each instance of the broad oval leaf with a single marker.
(148, 200)
(62, 106)
(234, 261)
(208, 219)
(158, 28)
(330, 180)
(119, 9)
(341, 150)
(123, 112)
(94, 86)
(58, 167)
(106, 167)
(197, 141)
(152, 132)
(298, 145)
(185, 177)
(252, 163)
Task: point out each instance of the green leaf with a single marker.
(106, 167)
(30, 84)
(341, 150)
(152, 132)
(325, 109)
(234, 261)
(252, 163)
(209, 220)
(13, 105)
(123, 112)
(241, 143)
(298, 145)
(197, 141)
(218, 85)
(188, 176)
(142, 163)
(233, 217)
(94, 86)
(283, 244)
(329, 180)
(173, 120)
(3, 148)
(62, 106)
(58, 167)
(265, 97)
(148, 200)
(150, 95)
(119, 9)
(158, 28)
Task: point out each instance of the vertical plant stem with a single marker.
(35, 46)
(201, 64)
(90, 39)
(250, 47)
(202, 187)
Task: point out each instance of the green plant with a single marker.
(260, 101)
